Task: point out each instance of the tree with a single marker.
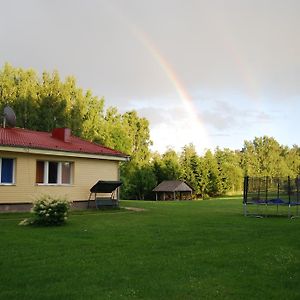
(92, 116)
(166, 166)
(214, 182)
(47, 102)
(143, 181)
(114, 131)
(230, 171)
(171, 165)
(8, 86)
(139, 135)
(263, 157)
(204, 176)
(292, 160)
(190, 165)
(139, 181)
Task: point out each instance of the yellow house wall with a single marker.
(86, 172)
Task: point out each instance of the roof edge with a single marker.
(63, 153)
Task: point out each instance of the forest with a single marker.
(43, 102)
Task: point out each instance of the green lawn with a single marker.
(172, 250)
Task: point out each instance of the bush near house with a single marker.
(50, 210)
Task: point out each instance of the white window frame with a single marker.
(13, 175)
(59, 173)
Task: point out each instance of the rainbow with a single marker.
(195, 122)
(230, 45)
(244, 68)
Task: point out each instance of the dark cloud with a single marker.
(244, 55)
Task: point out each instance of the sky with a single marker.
(207, 72)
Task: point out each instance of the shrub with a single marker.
(49, 211)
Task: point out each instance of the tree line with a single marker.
(222, 171)
(46, 102)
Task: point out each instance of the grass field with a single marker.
(172, 250)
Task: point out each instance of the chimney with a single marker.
(63, 134)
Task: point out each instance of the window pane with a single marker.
(7, 170)
(66, 172)
(39, 172)
(52, 175)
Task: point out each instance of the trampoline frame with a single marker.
(264, 192)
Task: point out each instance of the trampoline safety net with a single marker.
(270, 195)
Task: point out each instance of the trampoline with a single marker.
(267, 196)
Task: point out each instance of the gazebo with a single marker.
(169, 189)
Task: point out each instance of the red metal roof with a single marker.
(24, 138)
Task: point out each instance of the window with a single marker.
(40, 171)
(66, 172)
(54, 172)
(7, 170)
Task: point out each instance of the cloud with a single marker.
(221, 115)
(261, 117)
(220, 135)
(154, 115)
(161, 115)
(243, 75)
(224, 116)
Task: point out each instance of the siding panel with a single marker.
(86, 173)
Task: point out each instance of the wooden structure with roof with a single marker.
(108, 189)
(170, 189)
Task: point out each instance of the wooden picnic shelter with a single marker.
(171, 189)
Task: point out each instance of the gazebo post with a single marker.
(174, 195)
(155, 196)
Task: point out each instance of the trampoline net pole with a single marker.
(245, 195)
(297, 195)
(289, 196)
(266, 188)
(297, 205)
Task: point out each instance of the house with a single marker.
(169, 190)
(33, 163)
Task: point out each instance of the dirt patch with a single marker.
(135, 208)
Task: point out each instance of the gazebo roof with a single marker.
(173, 186)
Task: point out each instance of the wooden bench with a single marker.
(106, 202)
